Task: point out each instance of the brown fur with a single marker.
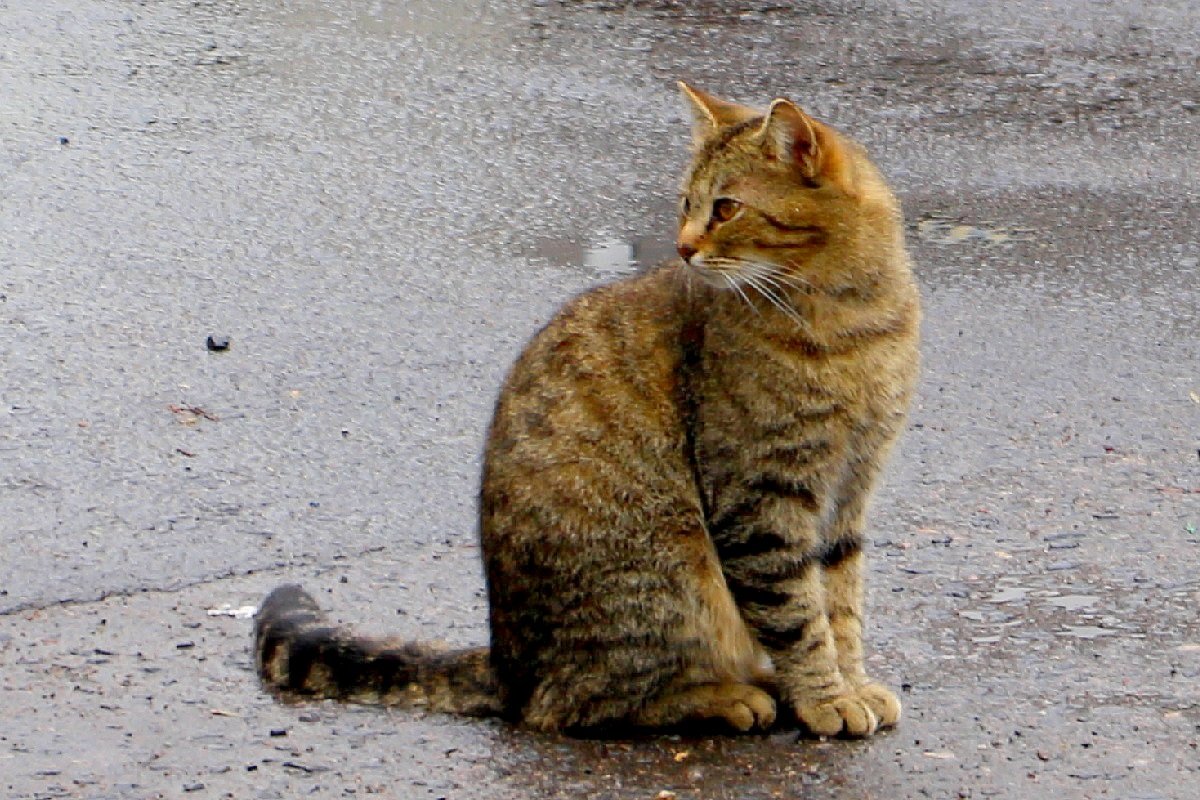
(676, 478)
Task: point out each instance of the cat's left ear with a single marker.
(793, 137)
(710, 114)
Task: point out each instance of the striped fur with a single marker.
(675, 483)
(300, 655)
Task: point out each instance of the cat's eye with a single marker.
(685, 205)
(725, 209)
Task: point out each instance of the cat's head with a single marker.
(777, 199)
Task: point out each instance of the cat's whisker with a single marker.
(791, 281)
(766, 292)
(772, 278)
(733, 284)
(775, 300)
(764, 269)
(773, 282)
(762, 278)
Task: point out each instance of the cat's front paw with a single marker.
(847, 713)
(881, 700)
(863, 708)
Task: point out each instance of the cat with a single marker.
(676, 477)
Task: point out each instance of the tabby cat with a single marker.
(677, 475)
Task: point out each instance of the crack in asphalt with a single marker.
(72, 602)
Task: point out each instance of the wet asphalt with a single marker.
(377, 203)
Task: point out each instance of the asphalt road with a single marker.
(377, 203)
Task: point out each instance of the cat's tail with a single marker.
(299, 653)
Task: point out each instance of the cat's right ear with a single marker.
(710, 114)
(793, 137)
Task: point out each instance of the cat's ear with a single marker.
(710, 114)
(791, 136)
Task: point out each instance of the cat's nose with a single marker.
(686, 251)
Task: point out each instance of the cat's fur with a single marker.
(676, 478)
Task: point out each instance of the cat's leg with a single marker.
(807, 655)
(844, 598)
(844, 569)
(771, 557)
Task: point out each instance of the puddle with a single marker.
(604, 253)
(946, 230)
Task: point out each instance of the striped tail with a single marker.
(299, 654)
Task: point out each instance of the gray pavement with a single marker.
(379, 202)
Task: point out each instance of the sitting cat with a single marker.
(676, 479)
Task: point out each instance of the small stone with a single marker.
(279, 731)
(63, 140)
(217, 343)
(1063, 545)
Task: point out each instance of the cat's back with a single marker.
(603, 371)
(589, 414)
